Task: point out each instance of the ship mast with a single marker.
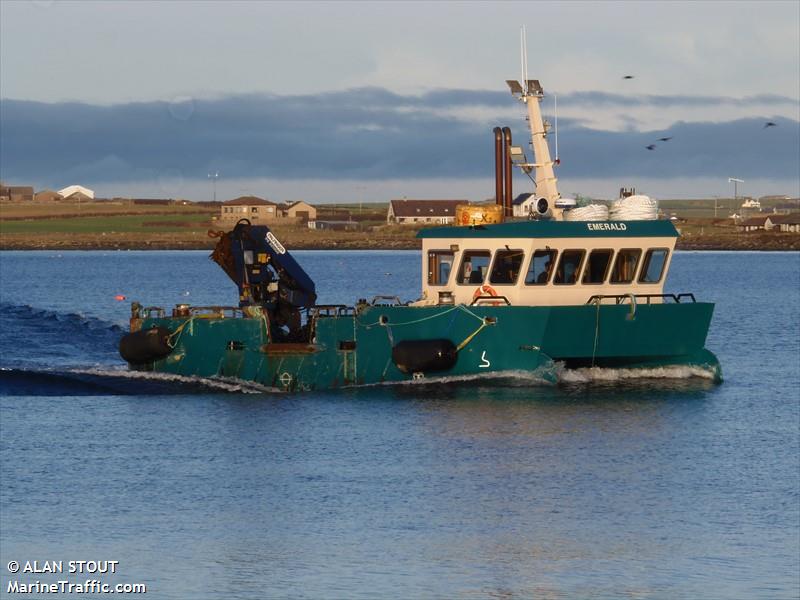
(531, 94)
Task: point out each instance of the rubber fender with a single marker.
(424, 356)
(145, 346)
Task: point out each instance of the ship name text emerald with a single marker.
(606, 226)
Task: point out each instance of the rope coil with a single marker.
(634, 208)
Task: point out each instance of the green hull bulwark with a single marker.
(355, 348)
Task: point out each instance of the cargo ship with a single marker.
(563, 287)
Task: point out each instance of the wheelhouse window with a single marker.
(440, 263)
(569, 267)
(653, 266)
(506, 267)
(597, 266)
(625, 265)
(541, 267)
(474, 266)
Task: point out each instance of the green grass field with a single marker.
(110, 224)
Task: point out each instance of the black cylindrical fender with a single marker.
(145, 346)
(424, 356)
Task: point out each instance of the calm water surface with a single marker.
(660, 488)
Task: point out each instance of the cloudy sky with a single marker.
(331, 101)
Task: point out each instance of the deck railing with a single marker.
(647, 298)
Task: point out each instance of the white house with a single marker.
(442, 212)
(523, 205)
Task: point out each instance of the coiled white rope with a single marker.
(592, 212)
(634, 208)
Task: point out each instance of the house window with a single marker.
(597, 266)
(541, 267)
(625, 265)
(474, 266)
(440, 263)
(506, 267)
(254, 209)
(568, 267)
(653, 265)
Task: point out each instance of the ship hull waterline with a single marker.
(356, 349)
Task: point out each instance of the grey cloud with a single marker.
(591, 98)
(500, 99)
(368, 133)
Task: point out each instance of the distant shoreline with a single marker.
(744, 242)
(130, 226)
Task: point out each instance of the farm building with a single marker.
(16, 193)
(788, 223)
(423, 211)
(302, 211)
(249, 207)
(76, 193)
(47, 196)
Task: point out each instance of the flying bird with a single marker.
(665, 139)
(651, 147)
(628, 77)
(770, 124)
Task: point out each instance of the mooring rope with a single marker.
(179, 331)
(429, 317)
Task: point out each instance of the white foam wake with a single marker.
(561, 375)
(225, 384)
(598, 374)
(540, 376)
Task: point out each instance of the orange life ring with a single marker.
(484, 290)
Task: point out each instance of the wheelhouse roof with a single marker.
(555, 229)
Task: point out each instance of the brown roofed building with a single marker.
(253, 208)
(299, 210)
(441, 212)
(16, 193)
(756, 224)
(48, 196)
(787, 223)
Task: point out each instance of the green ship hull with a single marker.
(349, 347)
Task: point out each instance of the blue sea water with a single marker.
(598, 487)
